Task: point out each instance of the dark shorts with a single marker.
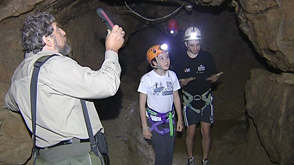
(191, 117)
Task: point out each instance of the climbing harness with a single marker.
(163, 117)
(188, 98)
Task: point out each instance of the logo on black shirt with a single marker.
(187, 70)
(201, 69)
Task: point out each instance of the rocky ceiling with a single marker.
(268, 25)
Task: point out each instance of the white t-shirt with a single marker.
(159, 91)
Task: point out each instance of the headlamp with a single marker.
(192, 33)
(163, 47)
(194, 36)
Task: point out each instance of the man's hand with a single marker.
(213, 78)
(115, 39)
(185, 81)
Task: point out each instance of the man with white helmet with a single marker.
(197, 71)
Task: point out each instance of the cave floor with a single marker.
(219, 128)
(118, 144)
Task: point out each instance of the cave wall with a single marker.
(269, 26)
(272, 113)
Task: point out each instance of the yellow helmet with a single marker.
(155, 50)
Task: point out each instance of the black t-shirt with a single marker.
(201, 67)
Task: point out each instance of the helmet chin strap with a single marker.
(157, 66)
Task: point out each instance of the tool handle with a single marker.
(105, 18)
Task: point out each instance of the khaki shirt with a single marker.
(61, 84)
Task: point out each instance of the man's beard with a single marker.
(65, 50)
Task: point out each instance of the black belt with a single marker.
(70, 141)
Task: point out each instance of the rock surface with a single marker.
(271, 107)
(268, 24)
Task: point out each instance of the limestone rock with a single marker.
(270, 103)
(10, 8)
(268, 24)
(15, 141)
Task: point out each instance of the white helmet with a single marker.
(192, 33)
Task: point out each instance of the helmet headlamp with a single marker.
(192, 33)
(163, 47)
(155, 50)
(194, 36)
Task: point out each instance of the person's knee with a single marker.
(205, 134)
(191, 133)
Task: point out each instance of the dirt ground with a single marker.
(219, 128)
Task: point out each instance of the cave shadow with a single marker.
(109, 108)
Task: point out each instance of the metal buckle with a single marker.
(197, 97)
